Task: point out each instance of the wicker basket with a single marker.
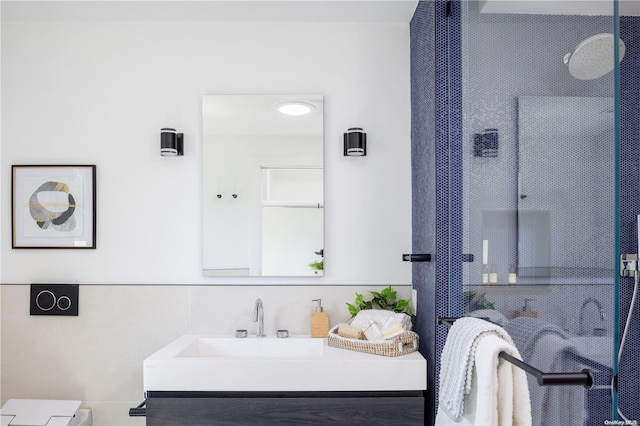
(402, 344)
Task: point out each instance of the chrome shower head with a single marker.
(593, 57)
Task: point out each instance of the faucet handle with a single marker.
(282, 334)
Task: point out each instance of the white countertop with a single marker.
(331, 369)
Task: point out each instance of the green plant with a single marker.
(474, 301)
(317, 265)
(385, 299)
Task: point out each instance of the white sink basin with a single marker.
(209, 363)
(254, 348)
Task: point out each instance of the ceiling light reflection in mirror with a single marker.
(296, 108)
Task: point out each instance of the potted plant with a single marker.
(317, 266)
(474, 301)
(385, 299)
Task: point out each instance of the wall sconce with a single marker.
(355, 142)
(171, 142)
(485, 144)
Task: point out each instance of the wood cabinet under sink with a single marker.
(377, 408)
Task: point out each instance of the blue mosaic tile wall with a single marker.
(430, 181)
(436, 56)
(423, 183)
(629, 368)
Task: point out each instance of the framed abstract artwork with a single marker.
(53, 206)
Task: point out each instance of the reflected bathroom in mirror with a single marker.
(263, 185)
(565, 185)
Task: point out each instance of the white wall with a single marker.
(98, 93)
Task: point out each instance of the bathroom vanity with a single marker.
(198, 379)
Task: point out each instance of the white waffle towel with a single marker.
(457, 361)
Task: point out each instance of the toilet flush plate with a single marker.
(54, 299)
(38, 412)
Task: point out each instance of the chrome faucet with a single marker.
(258, 316)
(582, 309)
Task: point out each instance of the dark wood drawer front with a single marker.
(369, 411)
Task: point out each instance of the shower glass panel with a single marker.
(537, 201)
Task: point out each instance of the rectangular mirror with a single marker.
(565, 182)
(263, 185)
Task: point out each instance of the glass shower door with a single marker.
(536, 203)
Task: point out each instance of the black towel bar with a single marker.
(426, 257)
(583, 378)
(139, 411)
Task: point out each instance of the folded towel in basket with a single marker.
(375, 322)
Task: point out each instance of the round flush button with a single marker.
(64, 303)
(46, 300)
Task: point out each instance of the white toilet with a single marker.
(44, 412)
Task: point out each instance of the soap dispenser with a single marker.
(319, 320)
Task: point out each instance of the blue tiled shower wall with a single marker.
(432, 172)
(423, 152)
(437, 175)
(629, 376)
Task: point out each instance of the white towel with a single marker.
(503, 393)
(499, 394)
(457, 360)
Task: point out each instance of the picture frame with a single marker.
(53, 206)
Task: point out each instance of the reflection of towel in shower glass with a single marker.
(544, 346)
